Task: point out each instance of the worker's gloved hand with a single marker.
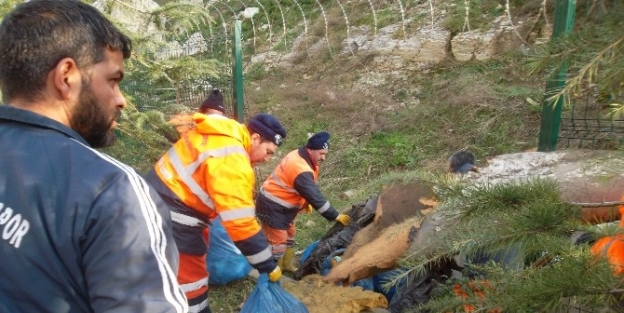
(308, 209)
(343, 219)
(276, 274)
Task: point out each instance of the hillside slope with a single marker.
(411, 122)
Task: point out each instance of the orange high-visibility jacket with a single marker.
(209, 171)
(612, 247)
(288, 188)
(182, 122)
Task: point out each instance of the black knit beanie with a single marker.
(213, 101)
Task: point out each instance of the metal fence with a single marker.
(585, 123)
(588, 124)
(185, 91)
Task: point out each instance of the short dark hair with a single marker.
(37, 34)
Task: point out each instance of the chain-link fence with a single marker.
(588, 124)
(187, 75)
(174, 82)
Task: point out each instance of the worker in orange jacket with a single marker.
(209, 173)
(291, 188)
(611, 247)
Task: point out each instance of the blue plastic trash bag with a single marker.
(269, 297)
(225, 262)
(307, 251)
(326, 265)
(366, 283)
(381, 279)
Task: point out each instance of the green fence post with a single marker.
(237, 73)
(551, 112)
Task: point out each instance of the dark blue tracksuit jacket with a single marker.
(79, 231)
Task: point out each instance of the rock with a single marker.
(587, 176)
(393, 51)
(347, 194)
(482, 45)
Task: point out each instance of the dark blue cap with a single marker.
(318, 141)
(268, 127)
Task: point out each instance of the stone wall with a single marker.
(391, 49)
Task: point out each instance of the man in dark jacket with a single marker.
(291, 188)
(81, 232)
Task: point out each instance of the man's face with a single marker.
(318, 156)
(261, 150)
(100, 101)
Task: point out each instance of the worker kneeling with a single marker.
(291, 189)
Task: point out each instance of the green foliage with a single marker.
(142, 138)
(6, 6)
(170, 81)
(383, 17)
(594, 53)
(401, 95)
(575, 280)
(393, 151)
(285, 17)
(394, 147)
(228, 298)
(162, 80)
(480, 14)
(528, 220)
(256, 72)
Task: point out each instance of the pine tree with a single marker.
(594, 52)
(527, 222)
(163, 78)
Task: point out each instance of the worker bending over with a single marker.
(209, 173)
(291, 188)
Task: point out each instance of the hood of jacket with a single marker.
(219, 125)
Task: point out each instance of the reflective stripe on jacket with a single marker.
(208, 171)
(279, 187)
(291, 185)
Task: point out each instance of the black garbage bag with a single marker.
(419, 288)
(337, 237)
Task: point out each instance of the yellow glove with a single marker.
(343, 219)
(276, 274)
(308, 209)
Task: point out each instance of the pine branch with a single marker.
(588, 72)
